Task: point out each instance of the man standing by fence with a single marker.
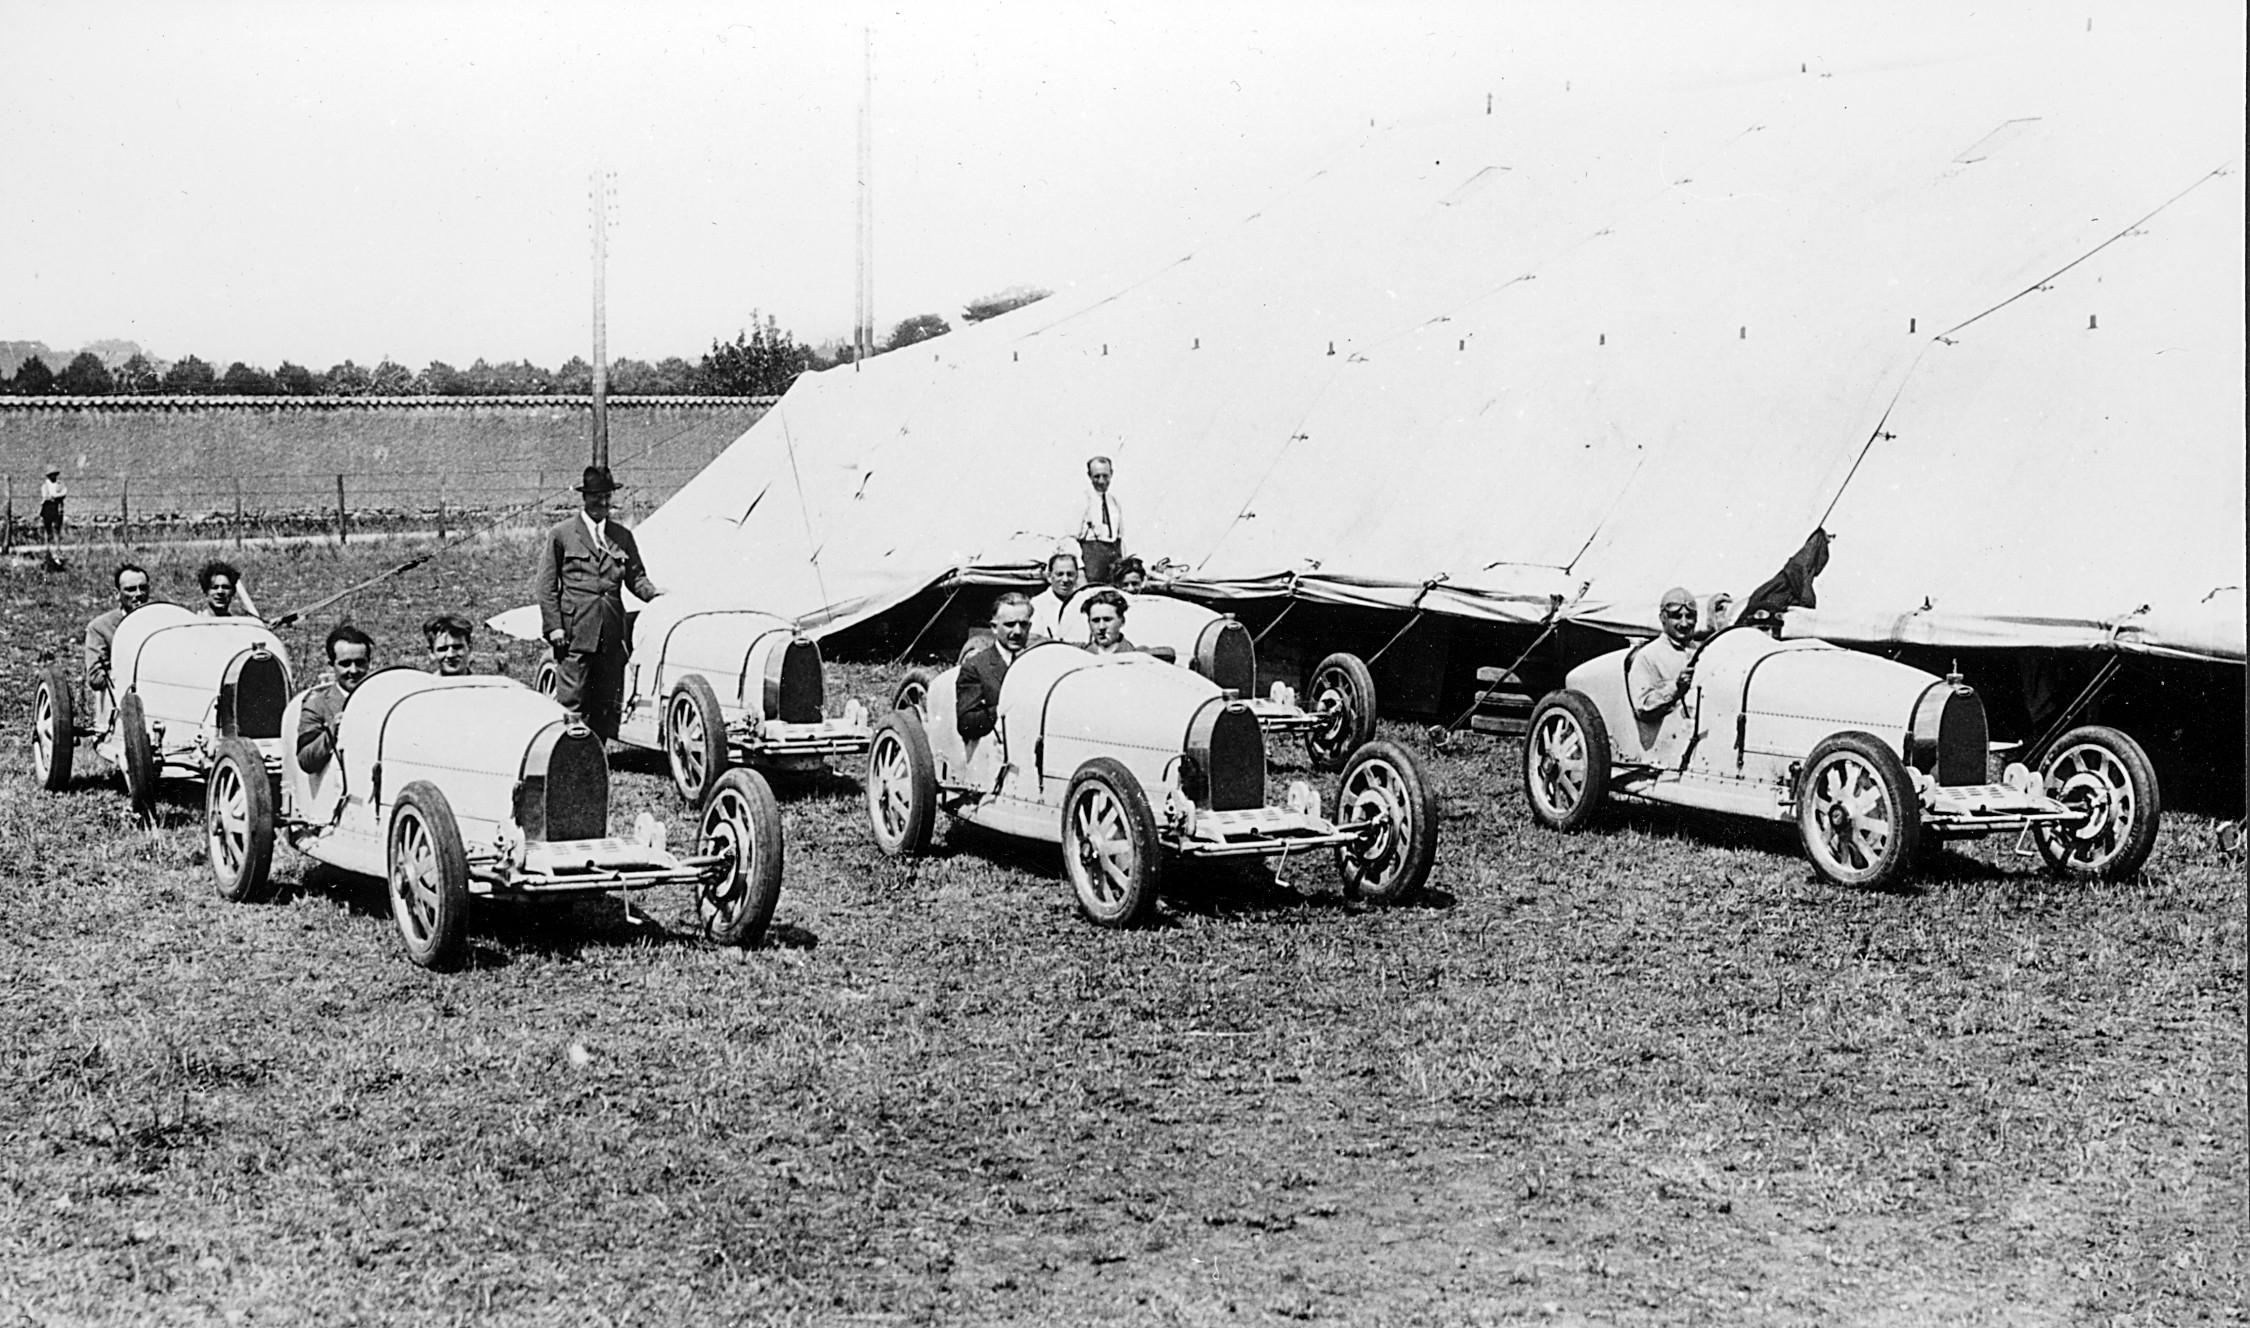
(52, 493)
(585, 566)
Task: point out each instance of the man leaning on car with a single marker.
(976, 688)
(1659, 675)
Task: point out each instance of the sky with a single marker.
(316, 182)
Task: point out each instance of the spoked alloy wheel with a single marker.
(913, 692)
(1109, 845)
(1343, 695)
(901, 785)
(743, 821)
(139, 767)
(54, 733)
(429, 878)
(1856, 811)
(548, 681)
(2102, 773)
(238, 823)
(1566, 760)
(1383, 782)
(695, 738)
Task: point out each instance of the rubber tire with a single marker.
(1137, 898)
(2140, 774)
(1899, 801)
(445, 939)
(548, 680)
(913, 692)
(899, 735)
(54, 740)
(741, 812)
(1579, 709)
(248, 877)
(139, 767)
(695, 691)
(1415, 850)
(1349, 675)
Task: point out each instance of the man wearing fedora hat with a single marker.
(585, 567)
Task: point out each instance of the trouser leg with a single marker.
(590, 685)
(1099, 558)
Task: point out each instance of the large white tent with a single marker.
(1982, 318)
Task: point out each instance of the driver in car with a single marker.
(132, 592)
(351, 652)
(976, 689)
(1660, 675)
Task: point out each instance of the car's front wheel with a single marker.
(743, 821)
(1856, 811)
(54, 732)
(139, 765)
(238, 823)
(1384, 784)
(2104, 775)
(1565, 760)
(1110, 850)
(901, 786)
(429, 877)
(695, 738)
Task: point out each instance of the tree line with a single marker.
(761, 360)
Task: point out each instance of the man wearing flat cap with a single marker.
(585, 567)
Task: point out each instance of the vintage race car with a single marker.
(1339, 718)
(477, 787)
(713, 686)
(1865, 754)
(180, 685)
(1126, 761)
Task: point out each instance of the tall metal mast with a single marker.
(601, 319)
(863, 316)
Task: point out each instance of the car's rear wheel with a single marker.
(54, 731)
(238, 823)
(1342, 693)
(1110, 850)
(139, 765)
(695, 738)
(1856, 811)
(1384, 783)
(2103, 774)
(913, 692)
(429, 878)
(901, 785)
(1566, 759)
(741, 820)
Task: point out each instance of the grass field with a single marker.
(1651, 1073)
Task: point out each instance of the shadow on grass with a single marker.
(1778, 838)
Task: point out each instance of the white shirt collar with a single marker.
(594, 527)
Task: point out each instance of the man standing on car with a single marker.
(132, 584)
(585, 567)
(351, 653)
(1659, 674)
(976, 688)
(1100, 530)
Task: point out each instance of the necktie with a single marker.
(1105, 516)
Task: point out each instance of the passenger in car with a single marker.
(1132, 574)
(224, 595)
(976, 688)
(351, 653)
(1052, 603)
(449, 635)
(1105, 623)
(1658, 675)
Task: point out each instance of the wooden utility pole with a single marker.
(601, 319)
(863, 317)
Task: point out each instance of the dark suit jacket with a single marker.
(976, 693)
(578, 585)
(316, 727)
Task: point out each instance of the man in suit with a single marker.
(976, 689)
(132, 584)
(585, 567)
(351, 653)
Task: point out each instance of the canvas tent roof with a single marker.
(1983, 317)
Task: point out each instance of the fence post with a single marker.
(8, 524)
(343, 535)
(124, 504)
(441, 518)
(238, 511)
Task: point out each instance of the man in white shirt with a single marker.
(52, 493)
(1660, 675)
(1050, 605)
(1100, 531)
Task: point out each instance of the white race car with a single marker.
(713, 686)
(479, 788)
(1864, 754)
(1126, 761)
(182, 685)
